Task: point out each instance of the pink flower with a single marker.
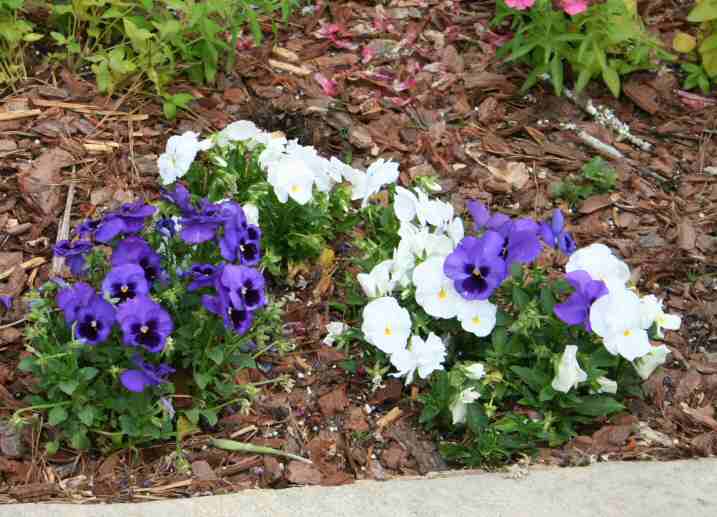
(520, 5)
(573, 7)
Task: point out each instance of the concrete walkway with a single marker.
(682, 489)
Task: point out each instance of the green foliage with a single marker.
(608, 41)
(596, 177)
(151, 40)
(702, 73)
(518, 409)
(15, 33)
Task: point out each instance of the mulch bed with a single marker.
(418, 83)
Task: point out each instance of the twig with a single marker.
(591, 141)
(13, 323)
(63, 231)
(14, 115)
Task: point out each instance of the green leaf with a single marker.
(216, 355)
(87, 416)
(69, 387)
(52, 447)
(79, 440)
(350, 365)
(709, 43)
(583, 79)
(169, 109)
(612, 79)
(57, 415)
(88, 373)
(704, 11)
(520, 297)
(211, 416)
(547, 300)
(476, 419)
(556, 73)
(192, 415)
(536, 379)
(26, 364)
(182, 100)
(137, 36)
(598, 406)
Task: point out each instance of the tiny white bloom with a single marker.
(652, 312)
(599, 261)
(475, 371)
(477, 316)
(334, 329)
(365, 185)
(434, 290)
(291, 178)
(238, 131)
(569, 373)
(459, 407)
(422, 356)
(606, 385)
(178, 157)
(252, 213)
(616, 317)
(386, 324)
(378, 282)
(649, 362)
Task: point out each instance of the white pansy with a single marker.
(475, 371)
(404, 204)
(456, 231)
(378, 282)
(413, 238)
(404, 262)
(650, 361)
(317, 164)
(569, 373)
(274, 150)
(477, 316)
(652, 312)
(178, 157)
(334, 329)
(365, 185)
(338, 169)
(617, 319)
(434, 290)
(599, 261)
(606, 385)
(386, 324)
(424, 357)
(436, 245)
(252, 213)
(459, 407)
(291, 179)
(238, 131)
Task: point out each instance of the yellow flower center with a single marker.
(442, 294)
(295, 188)
(476, 272)
(144, 329)
(124, 288)
(388, 331)
(476, 320)
(627, 333)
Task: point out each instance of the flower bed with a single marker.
(171, 300)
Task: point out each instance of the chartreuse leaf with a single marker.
(704, 11)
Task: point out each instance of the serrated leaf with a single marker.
(57, 415)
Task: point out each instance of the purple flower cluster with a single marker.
(137, 270)
(479, 265)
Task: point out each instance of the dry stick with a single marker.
(14, 115)
(591, 141)
(63, 232)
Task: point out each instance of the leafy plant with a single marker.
(606, 40)
(596, 177)
(15, 33)
(702, 49)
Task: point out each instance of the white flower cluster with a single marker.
(621, 318)
(293, 170)
(429, 233)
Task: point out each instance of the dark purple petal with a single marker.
(213, 304)
(110, 227)
(71, 299)
(135, 380)
(202, 275)
(166, 227)
(574, 311)
(74, 253)
(492, 244)
(459, 264)
(95, 321)
(6, 301)
(181, 197)
(87, 228)
(135, 250)
(144, 323)
(523, 247)
(244, 286)
(125, 282)
(566, 243)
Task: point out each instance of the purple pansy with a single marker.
(74, 253)
(483, 219)
(95, 321)
(71, 299)
(576, 309)
(244, 285)
(144, 323)
(202, 275)
(202, 226)
(241, 241)
(476, 266)
(135, 250)
(520, 241)
(87, 228)
(125, 282)
(166, 227)
(235, 315)
(130, 218)
(145, 376)
(6, 301)
(180, 197)
(554, 234)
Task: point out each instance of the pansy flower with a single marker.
(201, 226)
(476, 266)
(144, 323)
(87, 228)
(74, 253)
(130, 218)
(241, 241)
(125, 282)
(166, 227)
(554, 234)
(576, 309)
(180, 197)
(71, 299)
(202, 275)
(234, 313)
(95, 321)
(146, 375)
(135, 250)
(243, 285)
(483, 219)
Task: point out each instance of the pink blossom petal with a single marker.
(573, 7)
(520, 5)
(330, 87)
(367, 54)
